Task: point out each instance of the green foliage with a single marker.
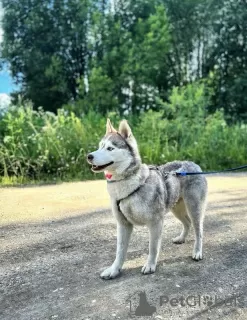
(176, 68)
(40, 145)
(96, 96)
(131, 50)
(228, 59)
(45, 43)
(131, 53)
(184, 130)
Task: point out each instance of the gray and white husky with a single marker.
(142, 194)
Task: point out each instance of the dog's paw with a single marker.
(197, 255)
(148, 268)
(178, 240)
(110, 273)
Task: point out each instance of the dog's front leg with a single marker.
(124, 231)
(155, 236)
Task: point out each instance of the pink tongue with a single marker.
(108, 175)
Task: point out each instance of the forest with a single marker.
(175, 69)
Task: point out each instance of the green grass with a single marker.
(38, 146)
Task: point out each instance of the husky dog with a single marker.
(142, 194)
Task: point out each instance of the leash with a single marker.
(151, 167)
(209, 172)
(184, 173)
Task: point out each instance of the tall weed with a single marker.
(38, 145)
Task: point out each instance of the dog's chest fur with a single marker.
(145, 197)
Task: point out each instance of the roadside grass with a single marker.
(41, 147)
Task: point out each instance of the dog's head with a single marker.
(117, 150)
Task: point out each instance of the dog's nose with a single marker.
(90, 157)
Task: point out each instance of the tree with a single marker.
(95, 94)
(228, 59)
(132, 53)
(46, 44)
(209, 40)
(135, 51)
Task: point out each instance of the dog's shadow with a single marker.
(183, 267)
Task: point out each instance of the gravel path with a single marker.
(55, 240)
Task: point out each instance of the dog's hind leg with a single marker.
(180, 212)
(196, 205)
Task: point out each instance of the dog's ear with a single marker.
(124, 129)
(109, 127)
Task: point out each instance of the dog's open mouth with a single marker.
(100, 168)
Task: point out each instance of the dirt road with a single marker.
(55, 241)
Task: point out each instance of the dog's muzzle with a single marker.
(95, 168)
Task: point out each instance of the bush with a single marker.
(214, 146)
(38, 145)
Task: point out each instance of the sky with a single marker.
(6, 87)
(6, 82)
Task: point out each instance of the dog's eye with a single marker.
(110, 148)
